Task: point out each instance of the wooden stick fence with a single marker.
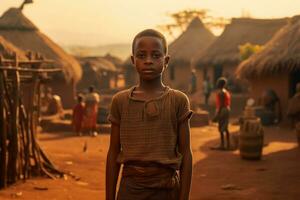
(21, 157)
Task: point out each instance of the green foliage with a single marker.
(248, 49)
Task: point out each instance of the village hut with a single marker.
(130, 74)
(191, 42)
(118, 62)
(277, 66)
(99, 72)
(16, 28)
(223, 57)
(7, 50)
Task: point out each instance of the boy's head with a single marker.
(149, 54)
(221, 82)
(150, 33)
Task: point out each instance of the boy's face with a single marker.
(149, 57)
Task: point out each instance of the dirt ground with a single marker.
(217, 174)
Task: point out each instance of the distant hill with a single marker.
(120, 50)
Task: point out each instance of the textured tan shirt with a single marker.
(149, 129)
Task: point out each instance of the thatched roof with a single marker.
(281, 53)
(20, 31)
(97, 64)
(7, 50)
(191, 42)
(225, 49)
(118, 62)
(13, 18)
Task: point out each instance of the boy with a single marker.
(78, 113)
(223, 101)
(150, 132)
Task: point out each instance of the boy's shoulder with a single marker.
(179, 95)
(121, 95)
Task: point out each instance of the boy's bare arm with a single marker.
(187, 160)
(112, 167)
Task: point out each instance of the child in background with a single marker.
(78, 114)
(150, 132)
(223, 101)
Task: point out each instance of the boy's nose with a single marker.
(148, 60)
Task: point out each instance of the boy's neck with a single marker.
(151, 85)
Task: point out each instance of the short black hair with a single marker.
(221, 82)
(151, 33)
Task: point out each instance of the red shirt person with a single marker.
(78, 114)
(223, 101)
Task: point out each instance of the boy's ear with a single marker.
(167, 59)
(132, 59)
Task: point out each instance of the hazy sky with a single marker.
(94, 22)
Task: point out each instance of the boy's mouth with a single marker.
(148, 71)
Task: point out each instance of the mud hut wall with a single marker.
(66, 91)
(106, 80)
(279, 83)
(200, 79)
(88, 78)
(182, 77)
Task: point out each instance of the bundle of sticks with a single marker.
(21, 156)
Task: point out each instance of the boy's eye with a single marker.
(156, 55)
(140, 55)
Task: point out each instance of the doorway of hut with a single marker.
(294, 79)
(218, 71)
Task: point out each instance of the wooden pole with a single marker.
(14, 140)
(20, 153)
(3, 136)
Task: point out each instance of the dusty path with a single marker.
(276, 176)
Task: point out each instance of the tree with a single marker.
(183, 18)
(248, 49)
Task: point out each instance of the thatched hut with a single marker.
(223, 57)
(191, 42)
(7, 50)
(20, 31)
(277, 66)
(130, 74)
(118, 62)
(97, 71)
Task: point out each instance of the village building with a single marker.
(130, 74)
(195, 39)
(118, 62)
(16, 28)
(222, 57)
(7, 50)
(99, 72)
(276, 67)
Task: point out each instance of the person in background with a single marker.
(223, 101)
(293, 111)
(193, 85)
(92, 100)
(207, 88)
(78, 114)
